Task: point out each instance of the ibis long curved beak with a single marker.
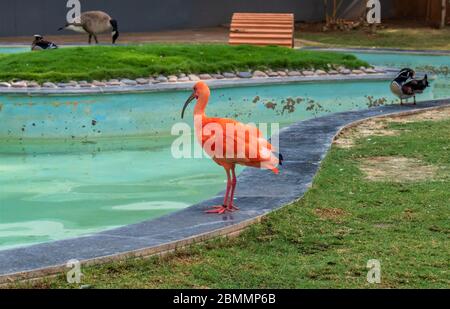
(189, 100)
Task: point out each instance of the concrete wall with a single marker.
(26, 17)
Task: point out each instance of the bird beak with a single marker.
(192, 97)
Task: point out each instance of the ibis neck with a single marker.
(200, 107)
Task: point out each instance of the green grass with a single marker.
(105, 62)
(404, 225)
(391, 37)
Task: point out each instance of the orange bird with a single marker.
(229, 142)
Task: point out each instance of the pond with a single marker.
(75, 165)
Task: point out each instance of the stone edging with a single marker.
(435, 52)
(163, 83)
(304, 145)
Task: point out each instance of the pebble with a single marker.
(97, 83)
(259, 74)
(193, 77)
(217, 76)
(273, 74)
(114, 83)
(359, 72)
(142, 81)
(19, 84)
(129, 82)
(162, 79)
(49, 85)
(370, 71)
(244, 75)
(308, 73)
(320, 72)
(282, 73)
(333, 72)
(33, 85)
(205, 76)
(229, 75)
(172, 79)
(85, 85)
(183, 79)
(5, 85)
(181, 75)
(345, 71)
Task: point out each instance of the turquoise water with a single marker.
(74, 165)
(13, 50)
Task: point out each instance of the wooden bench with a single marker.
(262, 29)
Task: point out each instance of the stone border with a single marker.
(432, 52)
(304, 145)
(163, 83)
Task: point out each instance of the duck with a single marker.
(405, 85)
(40, 44)
(93, 23)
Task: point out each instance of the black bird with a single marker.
(406, 86)
(39, 43)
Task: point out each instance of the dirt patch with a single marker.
(330, 213)
(379, 126)
(397, 169)
(431, 115)
(372, 127)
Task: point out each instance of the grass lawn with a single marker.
(325, 239)
(105, 62)
(390, 37)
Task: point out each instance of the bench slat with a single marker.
(262, 29)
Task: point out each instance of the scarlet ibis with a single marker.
(229, 142)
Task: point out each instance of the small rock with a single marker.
(294, 73)
(162, 79)
(308, 73)
(193, 77)
(86, 85)
(49, 85)
(245, 75)
(113, 80)
(172, 79)
(259, 74)
(205, 76)
(345, 71)
(142, 81)
(333, 72)
(33, 85)
(273, 74)
(217, 76)
(129, 82)
(183, 79)
(370, 71)
(97, 83)
(181, 75)
(19, 85)
(72, 83)
(5, 85)
(282, 73)
(114, 83)
(320, 72)
(359, 72)
(82, 82)
(229, 75)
